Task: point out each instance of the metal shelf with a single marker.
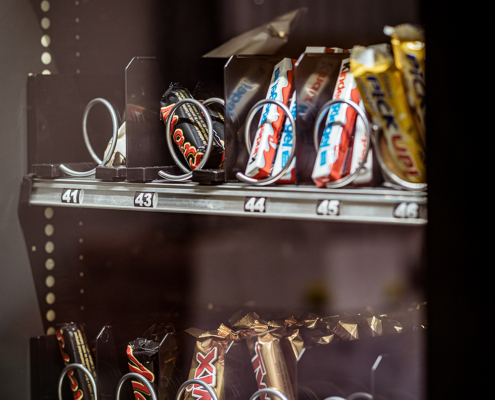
(364, 205)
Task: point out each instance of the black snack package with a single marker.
(190, 132)
(74, 348)
(155, 357)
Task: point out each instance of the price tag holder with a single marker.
(328, 207)
(406, 210)
(72, 196)
(145, 199)
(255, 204)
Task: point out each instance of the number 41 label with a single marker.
(74, 196)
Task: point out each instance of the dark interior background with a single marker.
(89, 37)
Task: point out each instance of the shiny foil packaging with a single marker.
(271, 122)
(274, 347)
(208, 361)
(74, 348)
(408, 45)
(382, 91)
(189, 129)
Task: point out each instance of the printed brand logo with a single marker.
(346, 67)
(386, 112)
(205, 371)
(74, 385)
(135, 366)
(238, 94)
(418, 81)
(259, 370)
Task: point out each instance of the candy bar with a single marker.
(408, 45)
(381, 88)
(271, 122)
(333, 160)
(74, 348)
(208, 362)
(155, 358)
(284, 148)
(189, 129)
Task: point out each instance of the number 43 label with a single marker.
(73, 196)
(145, 199)
(255, 204)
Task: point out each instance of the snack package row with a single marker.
(245, 354)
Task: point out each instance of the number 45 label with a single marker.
(74, 196)
(145, 199)
(328, 207)
(255, 204)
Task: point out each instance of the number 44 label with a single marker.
(74, 196)
(255, 204)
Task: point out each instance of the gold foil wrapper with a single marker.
(208, 363)
(270, 365)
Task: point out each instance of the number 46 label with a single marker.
(406, 210)
(145, 199)
(74, 196)
(255, 204)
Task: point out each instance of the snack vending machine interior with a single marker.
(228, 221)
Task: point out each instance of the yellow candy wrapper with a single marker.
(408, 45)
(380, 84)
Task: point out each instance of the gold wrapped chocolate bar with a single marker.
(208, 362)
(274, 347)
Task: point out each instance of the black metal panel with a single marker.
(145, 134)
(56, 104)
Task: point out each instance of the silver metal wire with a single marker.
(168, 126)
(399, 183)
(115, 132)
(197, 382)
(323, 111)
(134, 375)
(270, 179)
(82, 368)
(273, 392)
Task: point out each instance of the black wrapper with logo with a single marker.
(74, 348)
(155, 357)
(190, 132)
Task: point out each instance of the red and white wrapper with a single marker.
(366, 174)
(284, 148)
(334, 157)
(271, 122)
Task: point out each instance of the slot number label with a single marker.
(406, 210)
(72, 196)
(328, 207)
(255, 204)
(145, 199)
